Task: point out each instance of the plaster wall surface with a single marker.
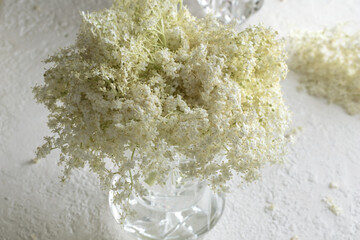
(285, 204)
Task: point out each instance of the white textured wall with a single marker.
(34, 205)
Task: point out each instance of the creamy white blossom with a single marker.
(147, 88)
(329, 62)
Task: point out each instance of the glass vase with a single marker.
(225, 10)
(182, 209)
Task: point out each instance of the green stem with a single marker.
(130, 174)
(163, 31)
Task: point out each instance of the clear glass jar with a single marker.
(225, 10)
(179, 210)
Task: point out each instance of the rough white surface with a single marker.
(285, 204)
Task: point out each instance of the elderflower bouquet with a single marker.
(148, 88)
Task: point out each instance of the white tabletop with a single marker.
(286, 203)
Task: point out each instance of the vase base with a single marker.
(151, 222)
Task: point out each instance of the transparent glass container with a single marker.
(180, 210)
(225, 10)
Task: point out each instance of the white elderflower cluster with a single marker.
(147, 88)
(329, 61)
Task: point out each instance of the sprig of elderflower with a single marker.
(145, 77)
(329, 62)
